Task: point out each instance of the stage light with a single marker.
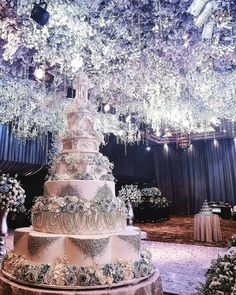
(40, 14)
(106, 108)
(148, 148)
(39, 73)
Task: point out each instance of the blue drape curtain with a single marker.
(22, 156)
(131, 163)
(205, 171)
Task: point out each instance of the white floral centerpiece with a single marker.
(130, 192)
(152, 191)
(12, 195)
(220, 277)
(153, 195)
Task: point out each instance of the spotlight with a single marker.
(39, 73)
(148, 148)
(42, 74)
(40, 14)
(106, 108)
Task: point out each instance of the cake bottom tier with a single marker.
(66, 261)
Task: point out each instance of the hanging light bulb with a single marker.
(39, 73)
(106, 108)
(148, 148)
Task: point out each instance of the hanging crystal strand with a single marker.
(19, 7)
(231, 22)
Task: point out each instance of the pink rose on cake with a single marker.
(48, 278)
(74, 199)
(109, 280)
(38, 207)
(32, 275)
(101, 278)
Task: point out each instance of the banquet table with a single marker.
(207, 228)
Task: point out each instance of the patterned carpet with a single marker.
(179, 229)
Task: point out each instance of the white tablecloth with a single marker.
(207, 228)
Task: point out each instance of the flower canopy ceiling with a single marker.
(159, 64)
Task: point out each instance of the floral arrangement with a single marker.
(152, 191)
(220, 277)
(232, 241)
(62, 274)
(104, 201)
(99, 167)
(153, 195)
(12, 195)
(130, 192)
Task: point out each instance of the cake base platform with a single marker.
(151, 286)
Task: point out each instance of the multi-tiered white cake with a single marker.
(206, 209)
(78, 237)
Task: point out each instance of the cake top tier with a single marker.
(80, 157)
(206, 209)
(81, 134)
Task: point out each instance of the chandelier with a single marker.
(159, 64)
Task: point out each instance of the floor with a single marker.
(182, 266)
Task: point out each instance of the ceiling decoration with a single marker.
(160, 65)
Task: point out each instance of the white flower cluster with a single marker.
(220, 277)
(12, 195)
(148, 62)
(130, 192)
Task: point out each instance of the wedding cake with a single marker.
(79, 238)
(206, 209)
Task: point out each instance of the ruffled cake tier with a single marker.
(79, 223)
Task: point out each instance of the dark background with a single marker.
(186, 177)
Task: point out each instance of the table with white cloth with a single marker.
(207, 228)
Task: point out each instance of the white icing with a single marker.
(74, 249)
(86, 189)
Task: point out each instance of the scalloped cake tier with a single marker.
(85, 189)
(41, 248)
(79, 223)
